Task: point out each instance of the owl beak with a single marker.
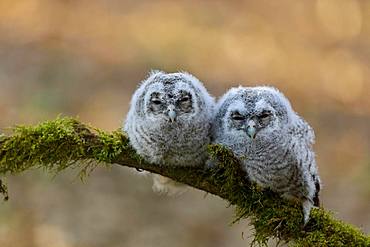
(172, 113)
(251, 129)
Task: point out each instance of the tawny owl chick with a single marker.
(273, 143)
(169, 122)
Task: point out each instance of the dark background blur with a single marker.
(85, 58)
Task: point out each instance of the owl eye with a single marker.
(185, 99)
(264, 115)
(237, 117)
(156, 101)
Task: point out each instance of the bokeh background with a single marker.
(85, 58)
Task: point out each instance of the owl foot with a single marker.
(306, 206)
(166, 186)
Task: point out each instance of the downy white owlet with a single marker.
(273, 143)
(169, 123)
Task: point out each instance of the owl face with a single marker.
(250, 121)
(169, 104)
(254, 113)
(173, 98)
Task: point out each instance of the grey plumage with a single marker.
(273, 143)
(169, 121)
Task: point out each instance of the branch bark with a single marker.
(65, 142)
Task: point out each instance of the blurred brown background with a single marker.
(85, 58)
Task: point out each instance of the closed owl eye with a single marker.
(185, 99)
(156, 101)
(264, 115)
(237, 116)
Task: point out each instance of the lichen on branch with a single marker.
(66, 143)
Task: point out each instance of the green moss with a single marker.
(51, 145)
(66, 143)
(57, 145)
(265, 209)
(325, 230)
(273, 217)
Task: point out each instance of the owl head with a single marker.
(171, 98)
(252, 113)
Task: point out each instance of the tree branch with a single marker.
(65, 142)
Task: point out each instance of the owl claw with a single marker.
(167, 187)
(306, 206)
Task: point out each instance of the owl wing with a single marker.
(303, 138)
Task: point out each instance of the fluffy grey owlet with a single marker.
(273, 143)
(169, 123)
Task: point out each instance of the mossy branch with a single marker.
(65, 142)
